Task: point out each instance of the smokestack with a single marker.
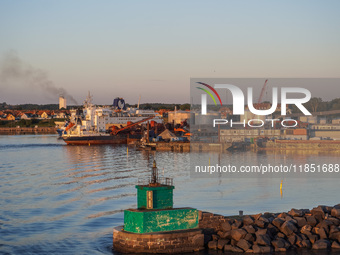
(62, 102)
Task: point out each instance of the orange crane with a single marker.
(69, 126)
(116, 130)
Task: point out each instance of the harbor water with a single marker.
(64, 199)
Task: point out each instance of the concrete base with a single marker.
(151, 221)
(160, 242)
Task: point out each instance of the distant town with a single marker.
(323, 124)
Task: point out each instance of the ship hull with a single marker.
(93, 140)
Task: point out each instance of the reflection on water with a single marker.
(66, 199)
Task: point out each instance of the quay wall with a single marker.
(312, 145)
(189, 146)
(28, 130)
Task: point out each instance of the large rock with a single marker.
(279, 243)
(306, 244)
(225, 226)
(322, 233)
(335, 245)
(257, 216)
(277, 222)
(282, 215)
(296, 213)
(238, 234)
(222, 242)
(335, 236)
(263, 239)
(248, 220)
(311, 220)
(228, 247)
(333, 229)
(335, 221)
(262, 249)
(272, 230)
(236, 249)
(301, 221)
(281, 235)
(250, 238)
(244, 245)
(318, 212)
(335, 212)
(325, 224)
(260, 223)
(225, 235)
(313, 238)
(265, 219)
(292, 239)
(262, 231)
(321, 244)
(250, 229)
(212, 245)
(288, 228)
(306, 229)
(237, 224)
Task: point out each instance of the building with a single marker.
(62, 102)
(178, 116)
(233, 135)
(325, 131)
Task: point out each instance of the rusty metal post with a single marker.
(148, 131)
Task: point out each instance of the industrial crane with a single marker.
(262, 91)
(261, 96)
(115, 130)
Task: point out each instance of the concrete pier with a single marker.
(159, 242)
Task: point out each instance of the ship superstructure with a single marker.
(95, 124)
(101, 119)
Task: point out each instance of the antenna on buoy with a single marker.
(154, 175)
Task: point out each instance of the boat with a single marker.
(93, 125)
(95, 138)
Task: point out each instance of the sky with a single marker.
(152, 48)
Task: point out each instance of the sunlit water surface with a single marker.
(66, 199)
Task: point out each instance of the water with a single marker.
(66, 199)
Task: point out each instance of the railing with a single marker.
(161, 180)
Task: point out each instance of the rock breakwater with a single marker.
(316, 229)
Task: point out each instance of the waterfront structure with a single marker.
(234, 135)
(155, 226)
(178, 116)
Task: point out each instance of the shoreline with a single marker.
(27, 130)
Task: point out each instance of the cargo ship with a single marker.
(92, 139)
(106, 125)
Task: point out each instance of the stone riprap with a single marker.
(315, 229)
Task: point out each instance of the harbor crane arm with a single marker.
(262, 91)
(115, 131)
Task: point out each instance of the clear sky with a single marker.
(152, 48)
